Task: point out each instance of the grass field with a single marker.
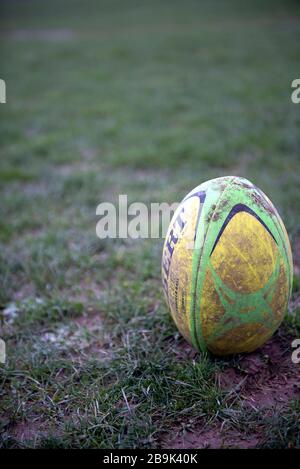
(147, 99)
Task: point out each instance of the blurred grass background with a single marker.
(145, 98)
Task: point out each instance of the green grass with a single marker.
(147, 99)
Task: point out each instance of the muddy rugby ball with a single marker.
(227, 267)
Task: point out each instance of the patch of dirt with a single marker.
(213, 438)
(98, 345)
(262, 380)
(82, 339)
(26, 431)
(32, 430)
(265, 378)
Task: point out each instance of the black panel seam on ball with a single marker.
(234, 211)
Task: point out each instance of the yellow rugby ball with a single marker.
(227, 267)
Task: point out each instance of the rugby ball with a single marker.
(227, 267)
